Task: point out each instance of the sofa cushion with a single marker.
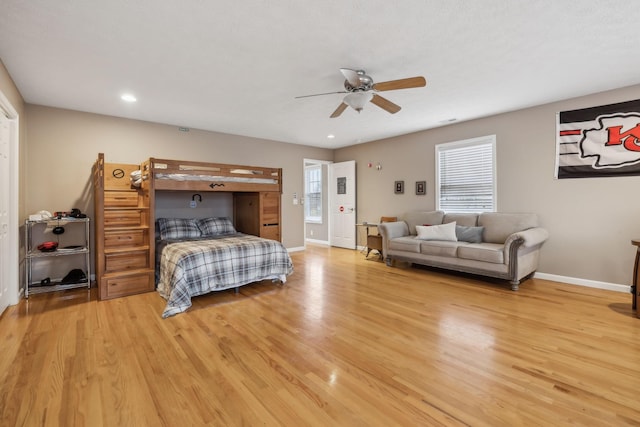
(466, 219)
(440, 248)
(469, 234)
(487, 252)
(498, 226)
(446, 232)
(406, 243)
(421, 218)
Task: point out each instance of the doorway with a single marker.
(9, 242)
(342, 204)
(315, 201)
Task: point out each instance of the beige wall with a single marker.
(63, 144)
(591, 221)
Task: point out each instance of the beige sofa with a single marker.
(501, 245)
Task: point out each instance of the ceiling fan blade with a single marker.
(385, 104)
(401, 84)
(339, 110)
(320, 94)
(352, 76)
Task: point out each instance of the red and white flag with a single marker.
(599, 141)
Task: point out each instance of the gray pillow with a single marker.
(469, 234)
(178, 228)
(215, 226)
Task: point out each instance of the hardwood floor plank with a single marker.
(346, 341)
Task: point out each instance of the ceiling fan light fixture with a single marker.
(357, 100)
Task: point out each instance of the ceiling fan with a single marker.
(361, 89)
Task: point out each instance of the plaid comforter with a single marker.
(197, 267)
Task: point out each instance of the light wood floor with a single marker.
(346, 342)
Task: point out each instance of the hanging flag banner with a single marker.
(599, 141)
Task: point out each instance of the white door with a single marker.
(342, 204)
(5, 241)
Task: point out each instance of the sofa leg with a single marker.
(515, 285)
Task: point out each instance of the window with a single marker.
(313, 193)
(466, 175)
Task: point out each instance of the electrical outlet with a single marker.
(311, 233)
(193, 204)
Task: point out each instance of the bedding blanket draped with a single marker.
(197, 267)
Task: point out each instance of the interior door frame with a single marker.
(331, 194)
(325, 178)
(11, 274)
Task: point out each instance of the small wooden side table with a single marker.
(635, 290)
(368, 247)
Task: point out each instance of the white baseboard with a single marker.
(318, 242)
(584, 282)
(297, 249)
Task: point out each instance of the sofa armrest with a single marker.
(391, 230)
(531, 237)
(521, 243)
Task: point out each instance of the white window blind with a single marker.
(313, 194)
(466, 175)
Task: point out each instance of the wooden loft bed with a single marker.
(256, 190)
(161, 174)
(125, 197)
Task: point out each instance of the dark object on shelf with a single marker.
(74, 276)
(46, 282)
(75, 213)
(48, 246)
(58, 230)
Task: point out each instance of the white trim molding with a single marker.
(584, 282)
(317, 242)
(13, 275)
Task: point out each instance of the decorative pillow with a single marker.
(445, 232)
(418, 218)
(178, 228)
(215, 226)
(469, 234)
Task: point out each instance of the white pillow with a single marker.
(445, 232)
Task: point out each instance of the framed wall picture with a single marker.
(421, 188)
(399, 188)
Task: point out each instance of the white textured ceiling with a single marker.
(236, 66)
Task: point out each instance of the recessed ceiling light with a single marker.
(331, 136)
(127, 97)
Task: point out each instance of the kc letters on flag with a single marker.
(599, 141)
